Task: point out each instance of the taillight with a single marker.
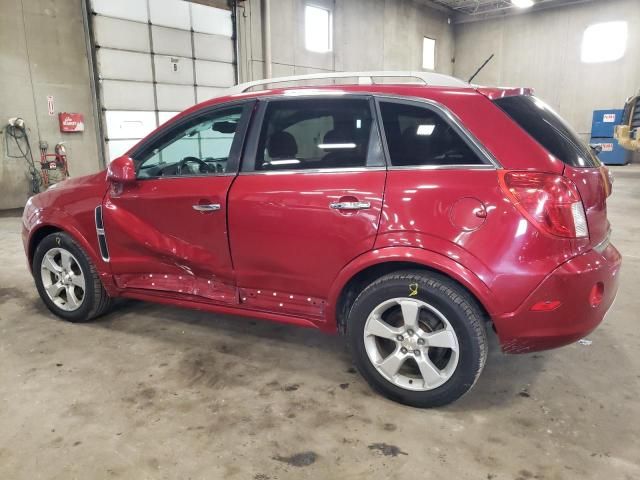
(551, 202)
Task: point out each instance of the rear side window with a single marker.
(548, 129)
(312, 134)
(417, 135)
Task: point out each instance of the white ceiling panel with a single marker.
(170, 13)
(174, 97)
(173, 69)
(119, 95)
(127, 9)
(121, 65)
(124, 34)
(213, 47)
(214, 74)
(169, 41)
(119, 147)
(211, 20)
(123, 124)
(207, 93)
(164, 117)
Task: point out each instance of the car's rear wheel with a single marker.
(418, 338)
(67, 281)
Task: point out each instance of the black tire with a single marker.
(449, 298)
(95, 301)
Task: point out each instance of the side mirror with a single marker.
(122, 170)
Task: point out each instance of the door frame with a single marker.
(376, 158)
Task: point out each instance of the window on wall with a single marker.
(317, 29)
(428, 53)
(604, 42)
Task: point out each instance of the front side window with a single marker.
(418, 136)
(312, 134)
(201, 147)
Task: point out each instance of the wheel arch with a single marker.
(365, 269)
(43, 230)
(37, 236)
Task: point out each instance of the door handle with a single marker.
(350, 205)
(211, 207)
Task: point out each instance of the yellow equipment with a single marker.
(628, 133)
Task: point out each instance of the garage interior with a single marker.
(151, 391)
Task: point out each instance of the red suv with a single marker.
(406, 217)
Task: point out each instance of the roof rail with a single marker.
(364, 78)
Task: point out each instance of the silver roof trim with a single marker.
(363, 78)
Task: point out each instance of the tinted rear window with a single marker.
(549, 129)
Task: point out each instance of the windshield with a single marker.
(541, 122)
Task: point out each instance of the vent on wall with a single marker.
(102, 239)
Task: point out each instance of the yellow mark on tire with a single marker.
(413, 289)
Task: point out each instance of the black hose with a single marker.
(19, 135)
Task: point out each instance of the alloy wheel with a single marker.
(63, 279)
(411, 344)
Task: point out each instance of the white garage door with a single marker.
(155, 58)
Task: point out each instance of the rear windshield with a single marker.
(549, 129)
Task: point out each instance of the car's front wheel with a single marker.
(67, 281)
(418, 338)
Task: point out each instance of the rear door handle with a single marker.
(211, 207)
(350, 205)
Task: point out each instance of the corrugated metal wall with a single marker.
(155, 58)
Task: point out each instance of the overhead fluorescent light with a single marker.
(425, 129)
(289, 161)
(336, 146)
(522, 3)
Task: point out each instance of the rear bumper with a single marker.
(571, 283)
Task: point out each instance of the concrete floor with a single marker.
(156, 392)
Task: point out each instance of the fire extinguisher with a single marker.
(53, 161)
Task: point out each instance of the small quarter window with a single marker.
(546, 127)
(312, 134)
(604, 42)
(428, 53)
(420, 136)
(317, 29)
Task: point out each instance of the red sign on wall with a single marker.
(71, 122)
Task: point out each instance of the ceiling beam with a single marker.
(436, 6)
(503, 12)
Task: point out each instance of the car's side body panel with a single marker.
(464, 215)
(283, 223)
